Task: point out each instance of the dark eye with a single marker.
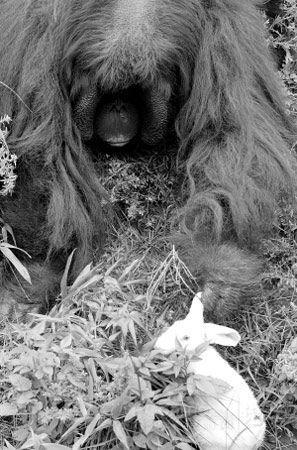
(186, 338)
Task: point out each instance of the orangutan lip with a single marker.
(118, 144)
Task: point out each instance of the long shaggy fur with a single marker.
(232, 128)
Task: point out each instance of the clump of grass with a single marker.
(284, 39)
(7, 159)
(266, 329)
(285, 376)
(80, 376)
(140, 189)
(7, 183)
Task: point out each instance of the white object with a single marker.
(233, 420)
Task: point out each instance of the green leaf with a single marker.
(128, 269)
(105, 424)
(192, 385)
(78, 422)
(7, 409)
(132, 412)
(172, 417)
(111, 284)
(115, 406)
(66, 341)
(63, 284)
(176, 401)
(55, 447)
(5, 230)
(210, 386)
(119, 431)
(8, 446)
(94, 279)
(21, 433)
(35, 441)
(146, 417)
(140, 440)
(15, 262)
(82, 277)
(14, 247)
(168, 446)
(184, 446)
(20, 383)
(88, 433)
(131, 328)
(24, 398)
(37, 330)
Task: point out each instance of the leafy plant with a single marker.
(6, 250)
(139, 188)
(284, 39)
(7, 159)
(285, 372)
(81, 380)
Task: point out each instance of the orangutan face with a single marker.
(124, 116)
(125, 59)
